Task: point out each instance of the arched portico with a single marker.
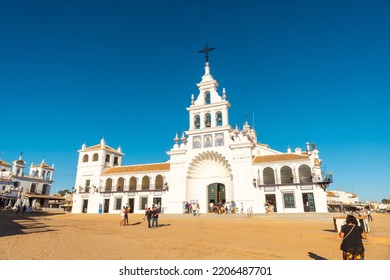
(209, 172)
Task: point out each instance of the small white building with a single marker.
(32, 188)
(335, 196)
(210, 162)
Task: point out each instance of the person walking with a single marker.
(154, 217)
(123, 216)
(369, 216)
(126, 220)
(148, 216)
(194, 208)
(352, 234)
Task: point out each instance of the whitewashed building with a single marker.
(32, 188)
(341, 197)
(211, 162)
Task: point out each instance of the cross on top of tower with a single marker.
(206, 50)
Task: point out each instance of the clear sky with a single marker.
(75, 71)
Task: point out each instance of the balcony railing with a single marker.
(108, 189)
(326, 180)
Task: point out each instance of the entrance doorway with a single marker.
(157, 200)
(308, 202)
(216, 193)
(106, 207)
(131, 205)
(270, 200)
(85, 205)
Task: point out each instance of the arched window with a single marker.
(197, 121)
(120, 184)
(286, 175)
(115, 161)
(305, 174)
(145, 183)
(133, 184)
(207, 120)
(108, 158)
(85, 158)
(159, 182)
(268, 176)
(95, 157)
(108, 187)
(218, 117)
(207, 99)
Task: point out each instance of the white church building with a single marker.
(211, 162)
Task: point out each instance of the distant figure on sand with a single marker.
(154, 217)
(123, 216)
(352, 245)
(194, 208)
(126, 221)
(369, 214)
(148, 216)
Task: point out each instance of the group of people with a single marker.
(225, 208)
(125, 215)
(193, 208)
(218, 208)
(151, 215)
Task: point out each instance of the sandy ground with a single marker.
(308, 236)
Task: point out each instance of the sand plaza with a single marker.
(304, 236)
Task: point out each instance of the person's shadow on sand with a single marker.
(137, 223)
(164, 225)
(315, 256)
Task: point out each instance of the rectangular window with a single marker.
(44, 189)
(87, 183)
(33, 188)
(3, 188)
(143, 203)
(288, 199)
(118, 203)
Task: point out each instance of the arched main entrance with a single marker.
(216, 193)
(209, 179)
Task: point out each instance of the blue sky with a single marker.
(317, 71)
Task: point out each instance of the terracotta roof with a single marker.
(138, 168)
(331, 194)
(279, 157)
(99, 147)
(3, 163)
(44, 166)
(52, 197)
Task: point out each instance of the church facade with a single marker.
(211, 162)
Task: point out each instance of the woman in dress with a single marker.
(352, 245)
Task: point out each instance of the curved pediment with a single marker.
(209, 164)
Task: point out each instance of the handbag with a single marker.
(343, 246)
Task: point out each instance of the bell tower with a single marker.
(208, 114)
